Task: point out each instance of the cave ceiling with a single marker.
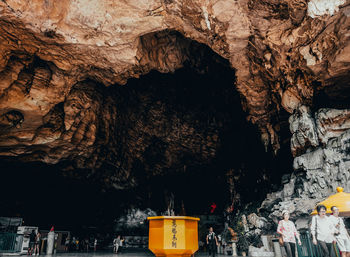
(58, 60)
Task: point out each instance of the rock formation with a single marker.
(319, 171)
(62, 64)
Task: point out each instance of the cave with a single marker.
(177, 140)
(232, 111)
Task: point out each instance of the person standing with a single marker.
(73, 243)
(212, 242)
(36, 250)
(121, 243)
(66, 244)
(82, 245)
(116, 244)
(322, 231)
(287, 230)
(86, 244)
(31, 242)
(95, 245)
(77, 244)
(342, 236)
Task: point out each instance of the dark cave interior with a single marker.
(204, 149)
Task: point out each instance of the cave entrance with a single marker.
(192, 149)
(181, 142)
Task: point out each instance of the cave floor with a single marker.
(128, 254)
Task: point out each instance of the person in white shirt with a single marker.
(95, 245)
(287, 230)
(322, 230)
(116, 244)
(342, 237)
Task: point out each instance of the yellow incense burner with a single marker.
(173, 236)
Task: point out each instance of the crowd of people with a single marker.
(77, 244)
(329, 232)
(73, 244)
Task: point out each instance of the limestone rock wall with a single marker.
(283, 51)
(320, 169)
(149, 127)
(58, 57)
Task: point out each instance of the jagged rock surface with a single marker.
(303, 129)
(331, 123)
(150, 125)
(319, 171)
(282, 51)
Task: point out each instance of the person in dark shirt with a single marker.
(212, 242)
(31, 242)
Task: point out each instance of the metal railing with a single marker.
(10, 242)
(308, 249)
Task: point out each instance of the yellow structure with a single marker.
(340, 199)
(173, 236)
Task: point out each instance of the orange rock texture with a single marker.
(55, 56)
